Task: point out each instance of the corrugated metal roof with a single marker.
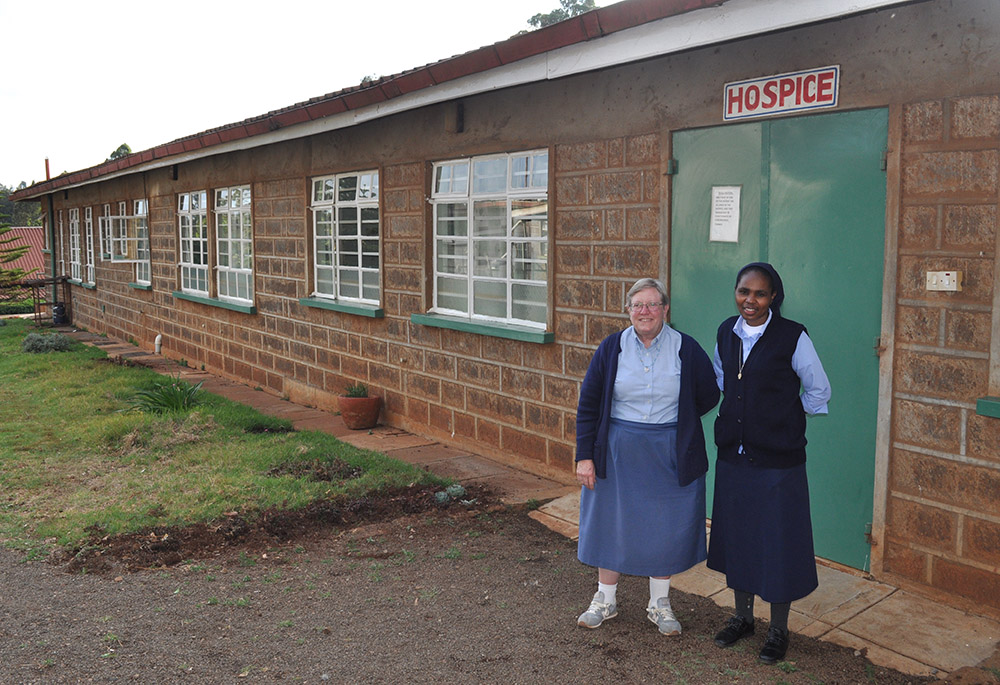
(576, 31)
(34, 258)
(594, 24)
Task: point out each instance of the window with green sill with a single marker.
(231, 230)
(124, 237)
(346, 234)
(491, 238)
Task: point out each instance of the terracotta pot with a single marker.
(360, 413)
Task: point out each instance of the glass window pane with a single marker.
(452, 293)
(347, 220)
(490, 298)
(540, 170)
(452, 219)
(452, 257)
(324, 222)
(347, 188)
(490, 258)
(324, 281)
(349, 283)
(489, 175)
(490, 218)
(520, 173)
(529, 218)
(528, 302)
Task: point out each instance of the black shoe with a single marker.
(737, 629)
(775, 646)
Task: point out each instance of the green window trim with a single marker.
(77, 281)
(495, 330)
(213, 302)
(988, 406)
(333, 305)
(140, 286)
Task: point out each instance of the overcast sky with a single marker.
(81, 78)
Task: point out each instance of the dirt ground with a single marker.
(412, 591)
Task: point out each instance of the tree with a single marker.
(9, 253)
(567, 9)
(18, 213)
(123, 151)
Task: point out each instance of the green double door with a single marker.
(809, 194)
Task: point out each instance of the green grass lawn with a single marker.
(74, 455)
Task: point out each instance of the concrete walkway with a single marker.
(892, 627)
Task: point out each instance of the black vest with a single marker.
(762, 411)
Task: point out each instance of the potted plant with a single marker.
(359, 409)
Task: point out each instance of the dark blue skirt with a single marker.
(761, 531)
(638, 520)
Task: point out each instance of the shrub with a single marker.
(177, 395)
(38, 343)
(25, 307)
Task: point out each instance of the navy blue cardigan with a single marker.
(699, 393)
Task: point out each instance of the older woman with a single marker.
(640, 457)
(771, 378)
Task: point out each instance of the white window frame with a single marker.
(60, 244)
(88, 222)
(143, 267)
(234, 243)
(105, 235)
(192, 220)
(125, 235)
(476, 248)
(347, 237)
(75, 262)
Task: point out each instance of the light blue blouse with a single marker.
(805, 362)
(648, 385)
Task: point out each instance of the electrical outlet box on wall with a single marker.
(944, 280)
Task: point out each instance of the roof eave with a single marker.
(628, 31)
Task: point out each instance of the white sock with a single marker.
(658, 587)
(610, 592)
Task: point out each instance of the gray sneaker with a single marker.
(663, 616)
(598, 612)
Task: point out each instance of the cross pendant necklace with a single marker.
(739, 372)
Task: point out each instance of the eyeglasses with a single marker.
(644, 306)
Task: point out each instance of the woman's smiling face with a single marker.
(647, 313)
(754, 295)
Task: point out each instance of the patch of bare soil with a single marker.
(402, 590)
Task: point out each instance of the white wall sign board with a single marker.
(792, 92)
(724, 226)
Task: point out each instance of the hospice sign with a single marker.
(793, 92)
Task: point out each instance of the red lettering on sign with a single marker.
(786, 87)
(824, 87)
(734, 101)
(809, 89)
(770, 94)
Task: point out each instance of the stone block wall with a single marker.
(509, 399)
(943, 510)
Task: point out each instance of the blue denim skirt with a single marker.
(638, 520)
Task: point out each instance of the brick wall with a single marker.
(509, 399)
(943, 512)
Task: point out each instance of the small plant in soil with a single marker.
(356, 390)
(175, 396)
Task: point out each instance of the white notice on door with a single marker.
(725, 221)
